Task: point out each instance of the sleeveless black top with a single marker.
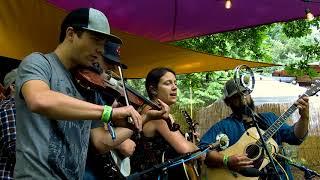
(151, 151)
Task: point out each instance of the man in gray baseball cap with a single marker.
(89, 19)
(230, 89)
(54, 122)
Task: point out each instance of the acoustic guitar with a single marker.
(250, 144)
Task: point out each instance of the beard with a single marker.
(243, 109)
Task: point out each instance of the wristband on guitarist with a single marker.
(106, 114)
(225, 160)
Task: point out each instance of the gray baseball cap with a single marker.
(10, 78)
(90, 19)
(230, 89)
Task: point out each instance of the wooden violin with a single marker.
(90, 79)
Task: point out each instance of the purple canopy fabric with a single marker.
(171, 20)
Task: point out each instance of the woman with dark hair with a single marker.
(161, 139)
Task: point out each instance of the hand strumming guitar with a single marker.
(236, 162)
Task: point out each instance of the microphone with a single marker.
(222, 142)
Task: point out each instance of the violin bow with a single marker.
(124, 90)
(126, 96)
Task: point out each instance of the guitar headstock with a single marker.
(188, 118)
(315, 88)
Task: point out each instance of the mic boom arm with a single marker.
(157, 169)
(309, 174)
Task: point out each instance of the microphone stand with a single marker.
(308, 173)
(157, 169)
(251, 113)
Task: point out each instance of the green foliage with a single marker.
(300, 68)
(245, 44)
(200, 88)
(312, 51)
(205, 88)
(289, 43)
(297, 28)
(138, 85)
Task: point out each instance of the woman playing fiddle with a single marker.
(161, 140)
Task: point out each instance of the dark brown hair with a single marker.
(153, 79)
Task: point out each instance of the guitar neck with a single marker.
(278, 123)
(188, 120)
(192, 128)
(315, 88)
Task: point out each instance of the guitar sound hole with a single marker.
(253, 151)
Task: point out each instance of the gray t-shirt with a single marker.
(48, 148)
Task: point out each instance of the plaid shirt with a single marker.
(7, 138)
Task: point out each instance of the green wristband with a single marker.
(106, 114)
(225, 160)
